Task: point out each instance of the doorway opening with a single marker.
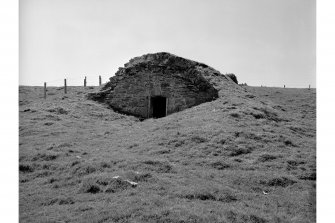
(158, 104)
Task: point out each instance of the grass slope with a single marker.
(245, 157)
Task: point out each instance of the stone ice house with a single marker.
(156, 85)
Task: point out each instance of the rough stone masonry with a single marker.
(155, 85)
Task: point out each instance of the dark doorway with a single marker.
(158, 104)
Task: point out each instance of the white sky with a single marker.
(264, 42)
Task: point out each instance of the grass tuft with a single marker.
(117, 185)
(44, 157)
(60, 201)
(83, 169)
(26, 168)
(219, 165)
(138, 177)
(89, 186)
(158, 166)
(278, 182)
(239, 151)
(266, 157)
(235, 115)
(58, 111)
(204, 194)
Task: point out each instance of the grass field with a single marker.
(247, 157)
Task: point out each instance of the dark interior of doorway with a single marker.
(158, 104)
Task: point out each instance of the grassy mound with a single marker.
(248, 156)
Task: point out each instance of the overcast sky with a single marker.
(264, 42)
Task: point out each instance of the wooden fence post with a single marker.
(309, 87)
(85, 82)
(284, 85)
(99, 80)
(65, 90)
(45, 90)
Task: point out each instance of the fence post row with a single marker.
(100, 82)
(65, 85)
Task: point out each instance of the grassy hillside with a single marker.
(248, 156)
